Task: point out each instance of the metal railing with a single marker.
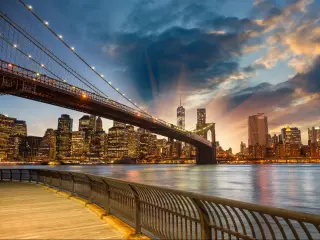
(64, 86)
(173, 214)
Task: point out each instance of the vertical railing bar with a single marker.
(1, 176)
(219, 218)
(259, 224)
(292, 228)
(240, 220)
(225, 218)
(305, 229)
(268, 224)
(10, 174)
(232, 219)
(280, 227)
(249, 221)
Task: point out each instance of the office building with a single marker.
(64, 136)
(33, 144)
(117, 141)
(314, 135)
(99, 125)
(258, 130)
(291, 135)
(47, 148)
(77, 143)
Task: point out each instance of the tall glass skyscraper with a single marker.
(181, 116)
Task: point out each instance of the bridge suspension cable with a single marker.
(72, 49)
(28, 56)
(49, 53)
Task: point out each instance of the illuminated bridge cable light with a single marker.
(81, 58)
(29, 56)
(15, 45)
(72, 48)
(46, 23)
(48, 53)
(60, 36)
(30, 7)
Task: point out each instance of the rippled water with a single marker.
(295, 186)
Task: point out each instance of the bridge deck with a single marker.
(30, 211)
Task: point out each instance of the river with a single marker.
(291, 186)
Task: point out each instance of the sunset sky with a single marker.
(233, 57)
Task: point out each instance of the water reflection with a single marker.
(289, 186)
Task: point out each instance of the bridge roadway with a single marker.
(25, 83)
(30, 211)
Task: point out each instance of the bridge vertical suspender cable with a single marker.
(29, 8)
(50, 54)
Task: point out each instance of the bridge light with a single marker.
(102, 75)
(110, 83)
(123, 94)
(84, 96)
(9, 65)
(15, 45)
(60, 36)
(30, 7)
(37, 74)
(64, 80)
(46, 23)
(72, 48)
(117, 89)
(29, 56)
(129, 99)
(93, 67)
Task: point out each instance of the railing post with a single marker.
(72, 178)
(30, 176)
(90, 186)
(108, 197)
(10, 174)
(20, 175)
(137, 210)
(204, 219)
(37, 177)
(1, 174)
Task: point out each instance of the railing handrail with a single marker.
(177, 214)
(281, 212)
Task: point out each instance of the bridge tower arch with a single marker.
(207, 154)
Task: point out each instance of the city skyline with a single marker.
(267, 72)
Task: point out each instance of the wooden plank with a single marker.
(28, 211)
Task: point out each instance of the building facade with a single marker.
(258, 130)
(64, 131)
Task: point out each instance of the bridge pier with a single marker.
(206, 155)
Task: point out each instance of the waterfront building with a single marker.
(92, 122)
(258, 130)
(47, 148)
(77, 143)
(98, 144)
(132, 142)
(161, 147)
(144, 143)
(87, 126)
(117, 141)
(243, 148)
(291, 135)
(153, 144)
(314, 135)
(13, 134)
(33, 144)
(64, 136)
(99, 125)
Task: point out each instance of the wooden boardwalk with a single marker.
(29, 211)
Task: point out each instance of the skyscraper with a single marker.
(77, 143)
(47, 148)
(258, 130)
(93, 122)
(117, 141)
(64, 135)
(201, 118)
(181, 116)
(314, 135)
(99, 124)
(132, 141)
